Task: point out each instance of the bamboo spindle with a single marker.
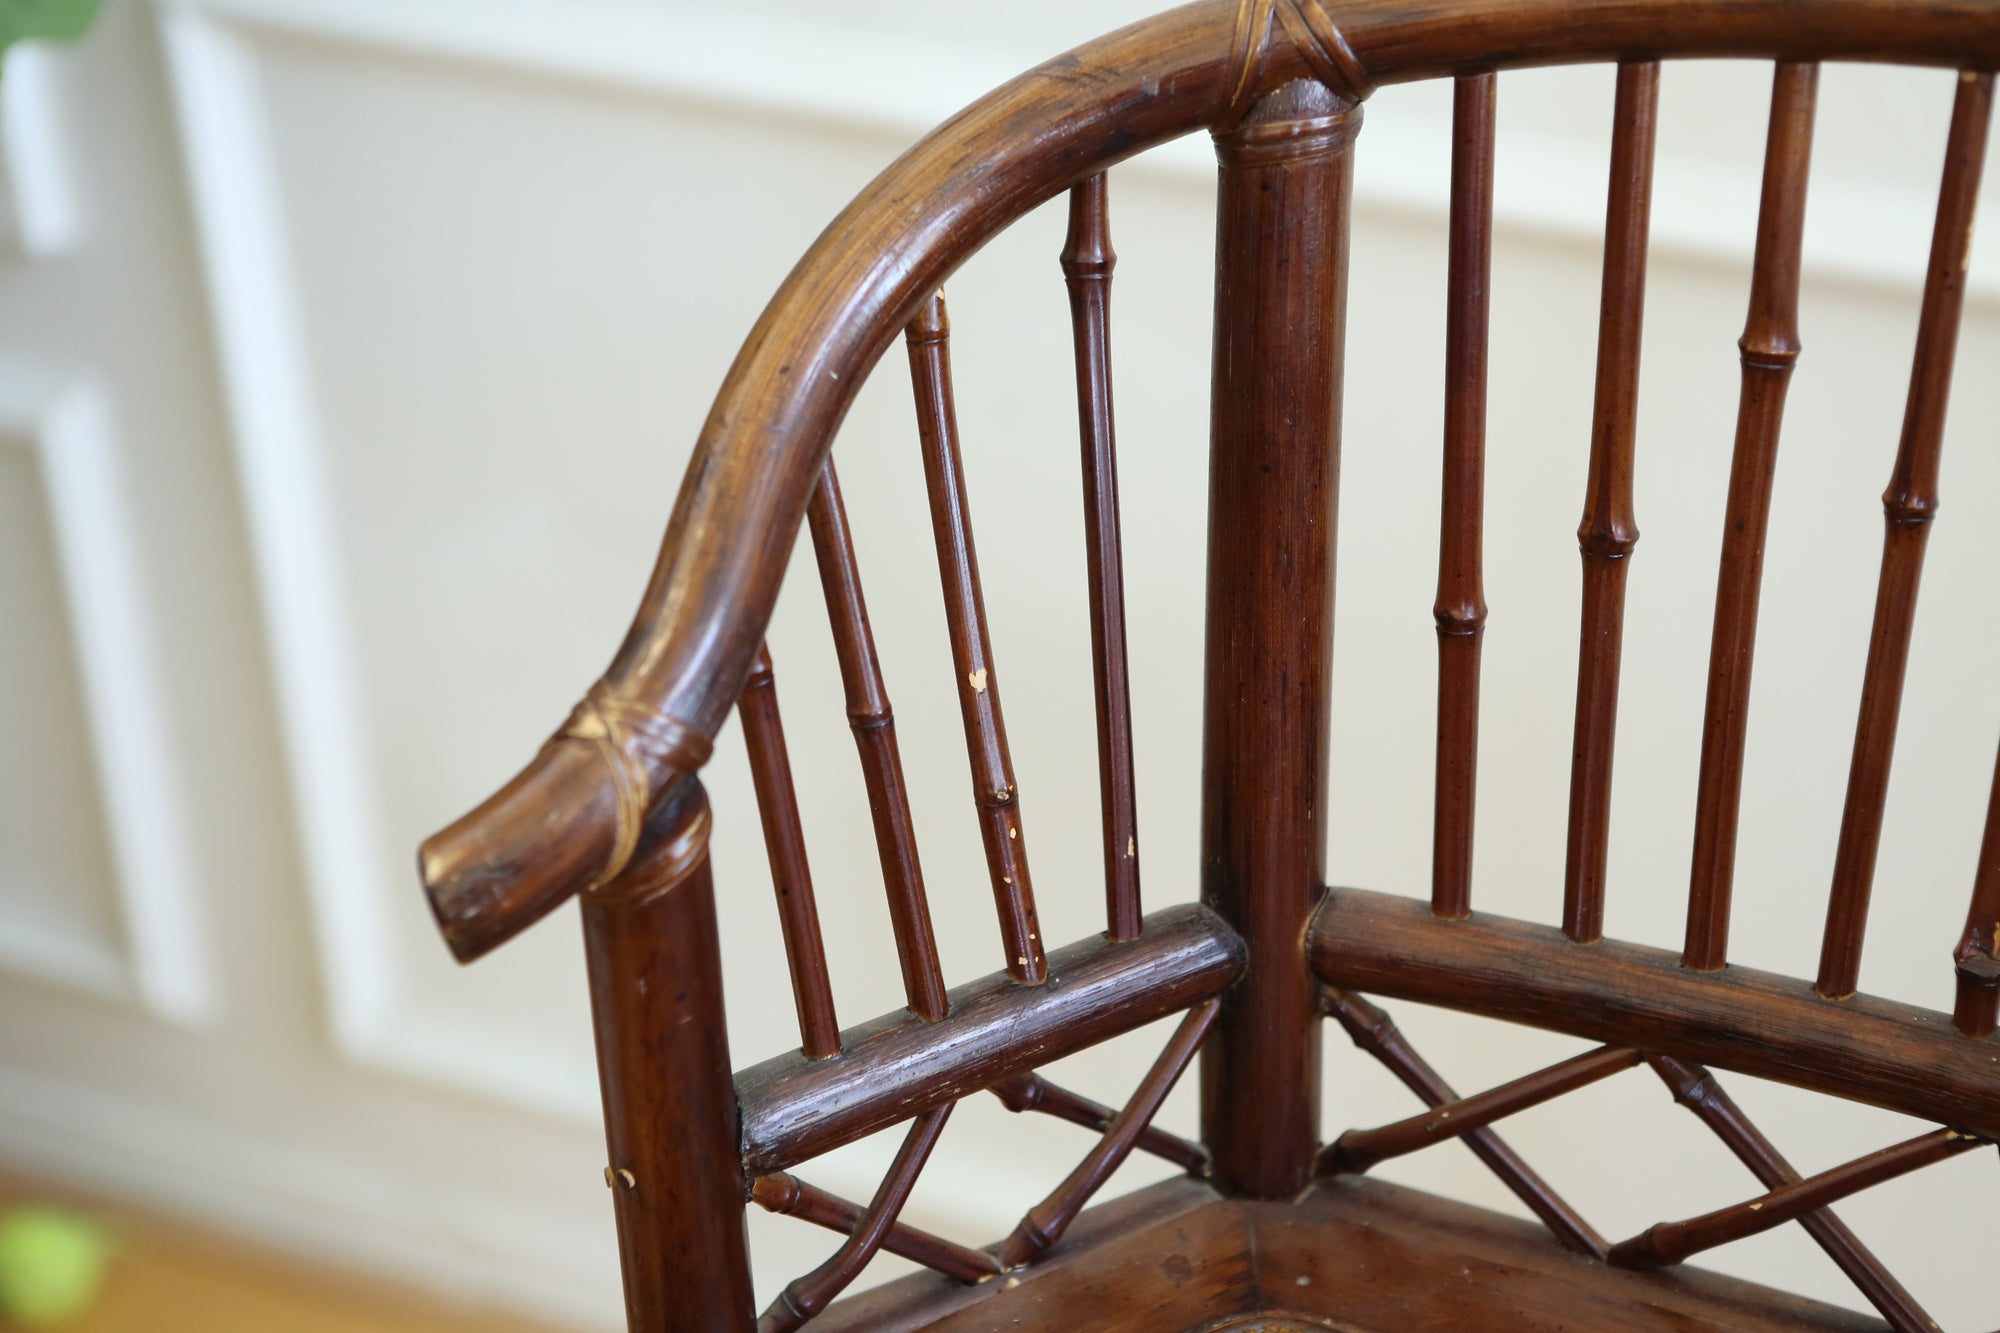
(1977, 958)
(1376, 1033)
(1461, 594)
(783, 1193)
(785, 844)
(808, 1295)
(1087, 261)
(1359, 1150)
(1032, 1092)
(874, 725)
(1666, 1243)
(1908, 506)
(1609, 532)
(1046, 1221)
(993, 790)
(1769, 349)
(1697, 1089)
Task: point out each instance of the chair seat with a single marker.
(1354, 1255)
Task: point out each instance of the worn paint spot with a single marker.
(977, 679)
(1177, 1267)
(1131, 848)
(1013, 832)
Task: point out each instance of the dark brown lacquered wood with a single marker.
(1977, 958)
(1698, 1090)
(897, 1066)
(806, 1296)
(1360, 1150)
(791, 876)
(1769, 349)
(1460, 609)
(787, 1194)
(1670, 1242)
(554, 829)
(1864, 1049)
(874, 726)
(1375, 1032)
(1046, 1222)
(1281, 284)
(1087, 261)
(669, 1105)
(994, 793)
(1032, 1092)
(1609, 531)
(1908, 506)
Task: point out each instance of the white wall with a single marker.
(349, 357)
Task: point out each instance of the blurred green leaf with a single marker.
(60, 19)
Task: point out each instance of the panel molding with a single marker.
(67, 422)
(40, 207)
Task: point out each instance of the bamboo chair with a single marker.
(1269, 1227)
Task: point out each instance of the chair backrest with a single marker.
(610, 808)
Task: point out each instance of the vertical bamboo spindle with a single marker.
(1978, 956)
(1769, 348)
(1908, 504)
(1609, 531)
(1281, 284)
(1461, 595)
(874, 726)
(785, 844)
(670, 1116)
(1087, 261)
(993, 789)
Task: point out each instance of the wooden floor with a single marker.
(167, 1275)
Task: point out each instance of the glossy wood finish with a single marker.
(1908, 505)
(1087, 262)
(1609, 532)
(994, 794)
(1977, 958)
(1032, 1092)
(1373, 1031)
(1460, 609)
(1769, 349)
(549, 831)
(791, 877)
(1280, 293)
(780, 1192)
(873, 722)
(1864, 1049)
(1354, 1254)
(1699, 1091)
(1046, 1221)
(1360, 1150)
(669, 1104)
(897, 1066)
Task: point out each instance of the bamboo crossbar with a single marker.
(806, 1296)
(1697, 1089)
(1670, 1242)
(1460, 609)
(1864, 1049)
(792, 1197)
(1769, 349)
(874, 725)
(791, 876)
(1609, 531)
(1908, 506)
(1376, 1033)
(1359, 1150)
(1032, 1092)
(1087, 262)
(897, 1066)
(1977, 958)
(994, 794)
(1045, 1223)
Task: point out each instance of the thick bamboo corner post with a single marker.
(670, 1117)
(1281, 280)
